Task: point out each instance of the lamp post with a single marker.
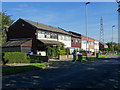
(86, 25)
(118, 1)
(112, 38)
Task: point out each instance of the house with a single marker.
(96, 46)
(92, 44)
(83, 43)
(75, 41)
(102, 45)
(42, 35)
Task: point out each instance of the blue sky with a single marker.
(68, 15)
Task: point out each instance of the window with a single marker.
(84, 42)
(62, 37)
(54, 36)
(47, 35)
(41, 34)
(72, 40)
(78, 41)
(69, 38)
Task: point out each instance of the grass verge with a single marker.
(16, 69)
(103, 56)
(107, 55)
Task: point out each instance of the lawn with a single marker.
(103, 56)
(17, 69)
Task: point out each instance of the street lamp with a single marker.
(118, 1)
(86, 24)
(112, 38)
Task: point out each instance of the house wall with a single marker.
(26, 49)
(83, 45)
(46, 35)
(21, 29)
(11, 49)
(76, 42)
(92, 44)
(65, 39)
(27, 43)
(96, 46)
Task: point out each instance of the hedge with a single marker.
(15, 57)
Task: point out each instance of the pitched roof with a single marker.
(46, 27)
(49, 42)
(14, 43)
(74, 34)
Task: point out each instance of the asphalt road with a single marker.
(101, 73)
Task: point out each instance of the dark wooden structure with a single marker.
(17, 46)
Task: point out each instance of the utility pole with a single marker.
(86, 25)
(112, 39)
(118, 1)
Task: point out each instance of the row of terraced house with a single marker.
(25, 36)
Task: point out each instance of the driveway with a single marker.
(101, 73)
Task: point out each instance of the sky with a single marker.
(69, 16)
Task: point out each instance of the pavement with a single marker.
(100, 73)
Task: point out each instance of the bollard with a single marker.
(74, 57)
(80, 57)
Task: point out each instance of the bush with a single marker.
(15, 57)
(51, 52)
(62, 52)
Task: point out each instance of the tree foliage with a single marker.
(111, 46)
(5, 22)
(61, 49)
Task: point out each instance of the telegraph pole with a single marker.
(86, 25)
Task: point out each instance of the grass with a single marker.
(107, 55)
(92, 58)
(89, 58)
(17, 69)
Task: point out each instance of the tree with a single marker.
(5, 22)
(114, 45)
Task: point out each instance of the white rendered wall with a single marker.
(41, 38)
(67, 42)
(83, 45)
(96, 47)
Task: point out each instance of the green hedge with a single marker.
(15, 57)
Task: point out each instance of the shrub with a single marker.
(62, 52)
(51, 52)
(15, 57)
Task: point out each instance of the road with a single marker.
(101, 73)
